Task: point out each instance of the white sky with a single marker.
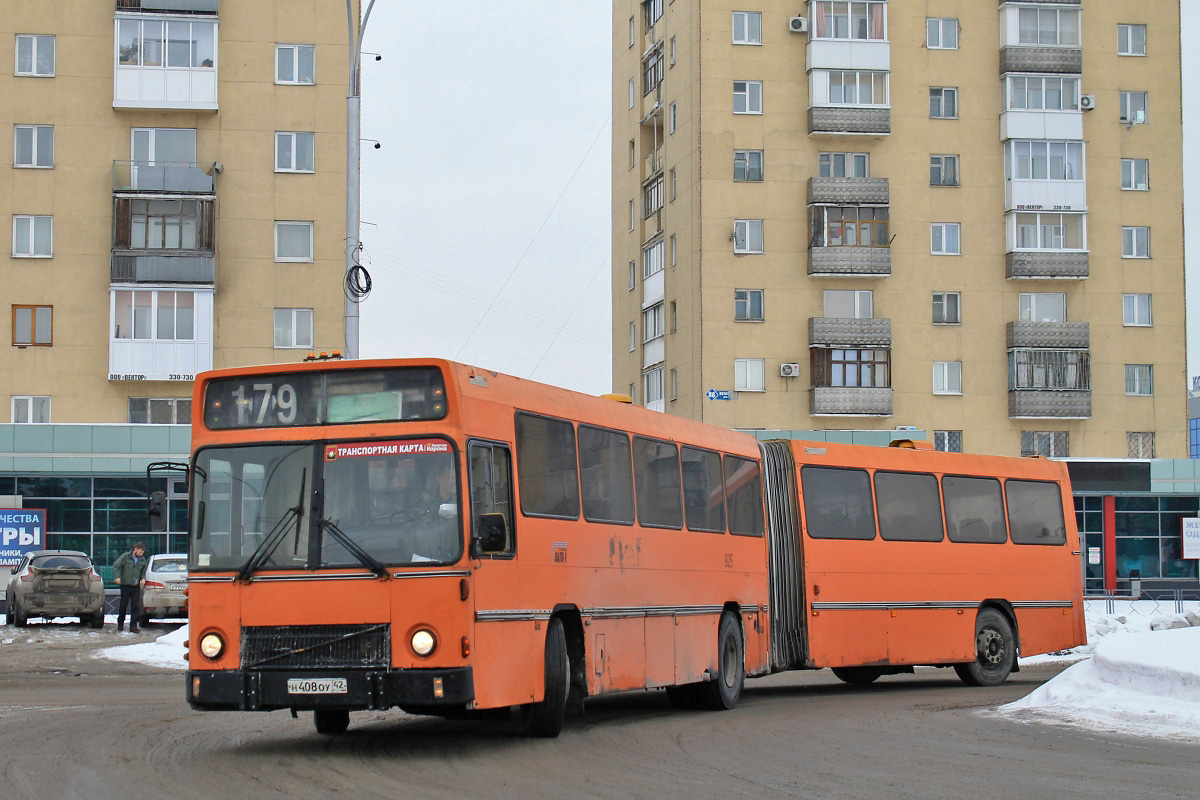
(490, 197)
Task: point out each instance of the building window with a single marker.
(1135, 242)
(851, 368)
(293, 151)
(654, 11)
(155, 314)
(632, 93)
(293, 241)
(943, 170)
(843, 165)
(1048, 231)
(30, 409)
(1042, 93)
(948, 441)
(652, 323)
(295, 63)
(632, 337)
(1137, 310)
(943, 102)
(293, 327)
(632, 154)
(653, 388)
(652, 259)
(35, 55)
(165, 225)
(652, 196)
(1042, 306)
(632, 275)
(632, 215)
(847, 303)
(163, 146)
(946, 307)
(1055, 370)
(947, 377)
(842, 20)
(33, 326)
(1043, 160)
(1139, 444)
(33, 236)
(747, 97)
(1048, 26)
(1135, 174)
(1139, 379)
(748, 305)
(1131, 40)
(747, 27)
(632, 32)
(749, 375)
(33, 146)
(748, 236)
(943, 239)
(941, 33)
(849, 226)
(747, 165)
(174, 43)
(674, 251)
(674, 316)
(672, 118)
(674, 184)
(653, 70)
(1051, 444)
(674, 384)
(160, 410)
(674, 51)
(1133, 107)
(855, 88)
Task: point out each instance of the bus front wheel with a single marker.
(331, 721)
(724, 690)
(545, 718)
(995, 651)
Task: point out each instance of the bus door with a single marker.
(789, 630)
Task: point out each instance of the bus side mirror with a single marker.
(491, 534)
(156, 506)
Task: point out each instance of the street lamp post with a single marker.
(353, 146)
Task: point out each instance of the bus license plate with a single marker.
(316, 686)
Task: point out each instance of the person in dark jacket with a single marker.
(129, 573)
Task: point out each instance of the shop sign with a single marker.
(1191, 538)
(22, 530)
(1093, 555)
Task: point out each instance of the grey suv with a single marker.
(55, 583)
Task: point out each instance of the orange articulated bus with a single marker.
(442, 538)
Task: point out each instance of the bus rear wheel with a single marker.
(331, 721)
(995, 651)
(545, 718)
(725, 689)
(859, 676)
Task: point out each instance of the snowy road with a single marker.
(72, 725)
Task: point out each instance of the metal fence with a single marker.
(1151, 603)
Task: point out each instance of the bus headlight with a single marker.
(423, 642)
(212, 645)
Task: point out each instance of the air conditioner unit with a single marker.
(789, 370)
(1087, 102)
(905, 428)
(798, 24)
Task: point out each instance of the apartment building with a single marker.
(960, 217)
(175, 201)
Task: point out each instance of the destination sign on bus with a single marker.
(325, 398)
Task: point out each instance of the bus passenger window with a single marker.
(607, 475)
(491, 486)
(1035, 512)
(659, 498)
(910, 509)
(837, 503)
(974, 511)
(546, 467)
(703, 490)
(743, 494)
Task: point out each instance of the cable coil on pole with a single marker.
(357, 283)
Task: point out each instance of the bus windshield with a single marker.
(392, 502)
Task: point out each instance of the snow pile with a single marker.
(168, 650)
(1129, 616)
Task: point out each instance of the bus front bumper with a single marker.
(269, 690)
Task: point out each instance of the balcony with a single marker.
(1049, 383)
(159, 334)
(1031, 265)
(158, 268)
(185, 6)
(848, 191)
(823, 53)
(834, 120)
(165, 55)
(163, 240)
(1038, 195)
(1050, 405)
(847, 332)
(1058, 125)
(160, 176)
(869, 262)
(1030, 58)
(1053, 335)
(849, 401)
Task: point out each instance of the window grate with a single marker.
(316, 646)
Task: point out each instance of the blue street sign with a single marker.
(22, 530)
(718, 394)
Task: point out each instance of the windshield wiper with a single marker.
(267, 546)
(352, 547)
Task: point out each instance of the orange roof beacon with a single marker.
(438, 537)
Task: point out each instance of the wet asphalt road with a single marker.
(75, 726)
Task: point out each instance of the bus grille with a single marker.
(316, 646)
